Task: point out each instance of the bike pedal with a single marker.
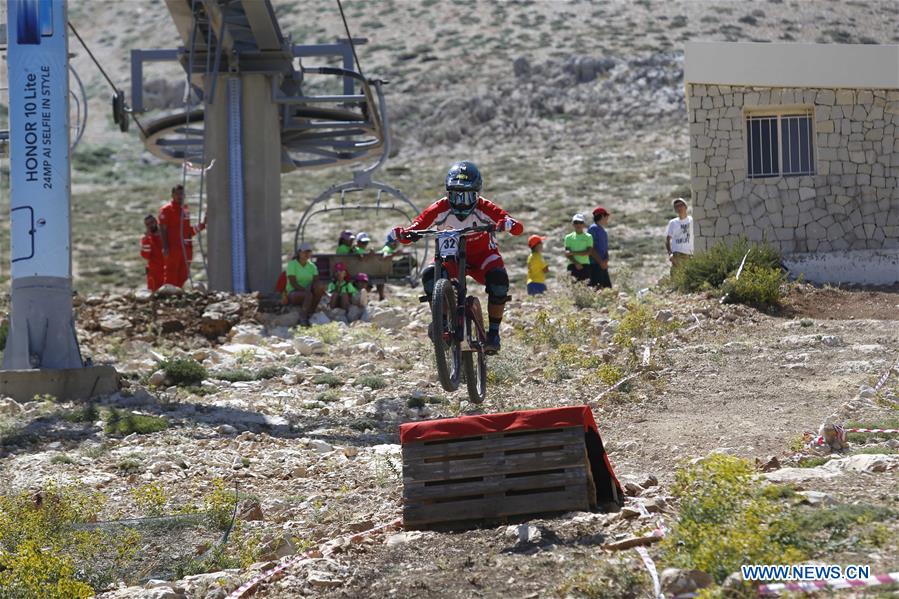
(422, 299)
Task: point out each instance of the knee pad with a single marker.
(427, 280)
(497, 286)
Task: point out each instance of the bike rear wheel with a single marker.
(474, 364)
(447, 350)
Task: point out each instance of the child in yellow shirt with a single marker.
(537, 267)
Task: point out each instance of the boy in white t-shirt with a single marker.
(679, 237)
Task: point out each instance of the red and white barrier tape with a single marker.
(841, 433)
(653, 573)
(872, 430)
(886, 375)
(644, 554)
(273, 572)
(837, 583)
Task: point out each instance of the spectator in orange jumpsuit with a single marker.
(177, 238)
(151, 251)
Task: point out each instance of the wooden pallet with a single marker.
(495, 476)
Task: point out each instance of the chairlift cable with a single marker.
(350, 39)
(96, 62)
(184, 165)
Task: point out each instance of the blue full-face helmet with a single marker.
(463, 184)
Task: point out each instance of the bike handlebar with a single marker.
(415, 235)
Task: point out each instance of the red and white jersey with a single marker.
(439, 215)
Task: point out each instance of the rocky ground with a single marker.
(313, 449)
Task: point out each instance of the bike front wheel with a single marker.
(447, 350)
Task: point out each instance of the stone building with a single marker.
(797, 144)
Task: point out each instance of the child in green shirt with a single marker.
(578, 249)
(341, 289)
(345, 243)
(362, 248)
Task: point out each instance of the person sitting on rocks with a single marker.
(364, 287)
(345, 243)
(341, 288)
(361, 248)
(303, 287)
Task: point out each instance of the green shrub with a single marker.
(609, 374)
(607, 580)
(4, 333)
(218, 504)
(552, 332)
(507, 367)
(758, 286)
(151, 498)
(234, 375)
(270, 372)
(328, 378)
(584, 297)
(638, 324)
(709, 269)
(132, 464)
(373, 381)
(415, 402)
(61, 458)
(119, 423)
(329, 333)
(87, 413)
(723, 523)
(183, 371)
(328, 396)
(42, 552)
(216, 560)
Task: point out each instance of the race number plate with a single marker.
(448, 244)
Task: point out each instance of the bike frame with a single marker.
(460, 284)
(464, 325)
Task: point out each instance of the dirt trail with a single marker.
(751, 397)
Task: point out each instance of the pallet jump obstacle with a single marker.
(496, 466)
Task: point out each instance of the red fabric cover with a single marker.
(281, 284)
(468, 426)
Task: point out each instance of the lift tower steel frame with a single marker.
(255, 123)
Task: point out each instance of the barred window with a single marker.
(780, 144)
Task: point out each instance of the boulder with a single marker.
(226, 308)
(248, 334)
(309, 345)
(388, 318)
(168, 290)
(681, 582)
(319, 318)
(142, 296)
(170, 326)
(112, 323)
(213, 325)
(157, 379)
(10, 407)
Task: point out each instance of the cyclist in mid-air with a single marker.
(462, 207)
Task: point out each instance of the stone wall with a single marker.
(851, 203)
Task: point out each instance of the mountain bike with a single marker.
(457, 323)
